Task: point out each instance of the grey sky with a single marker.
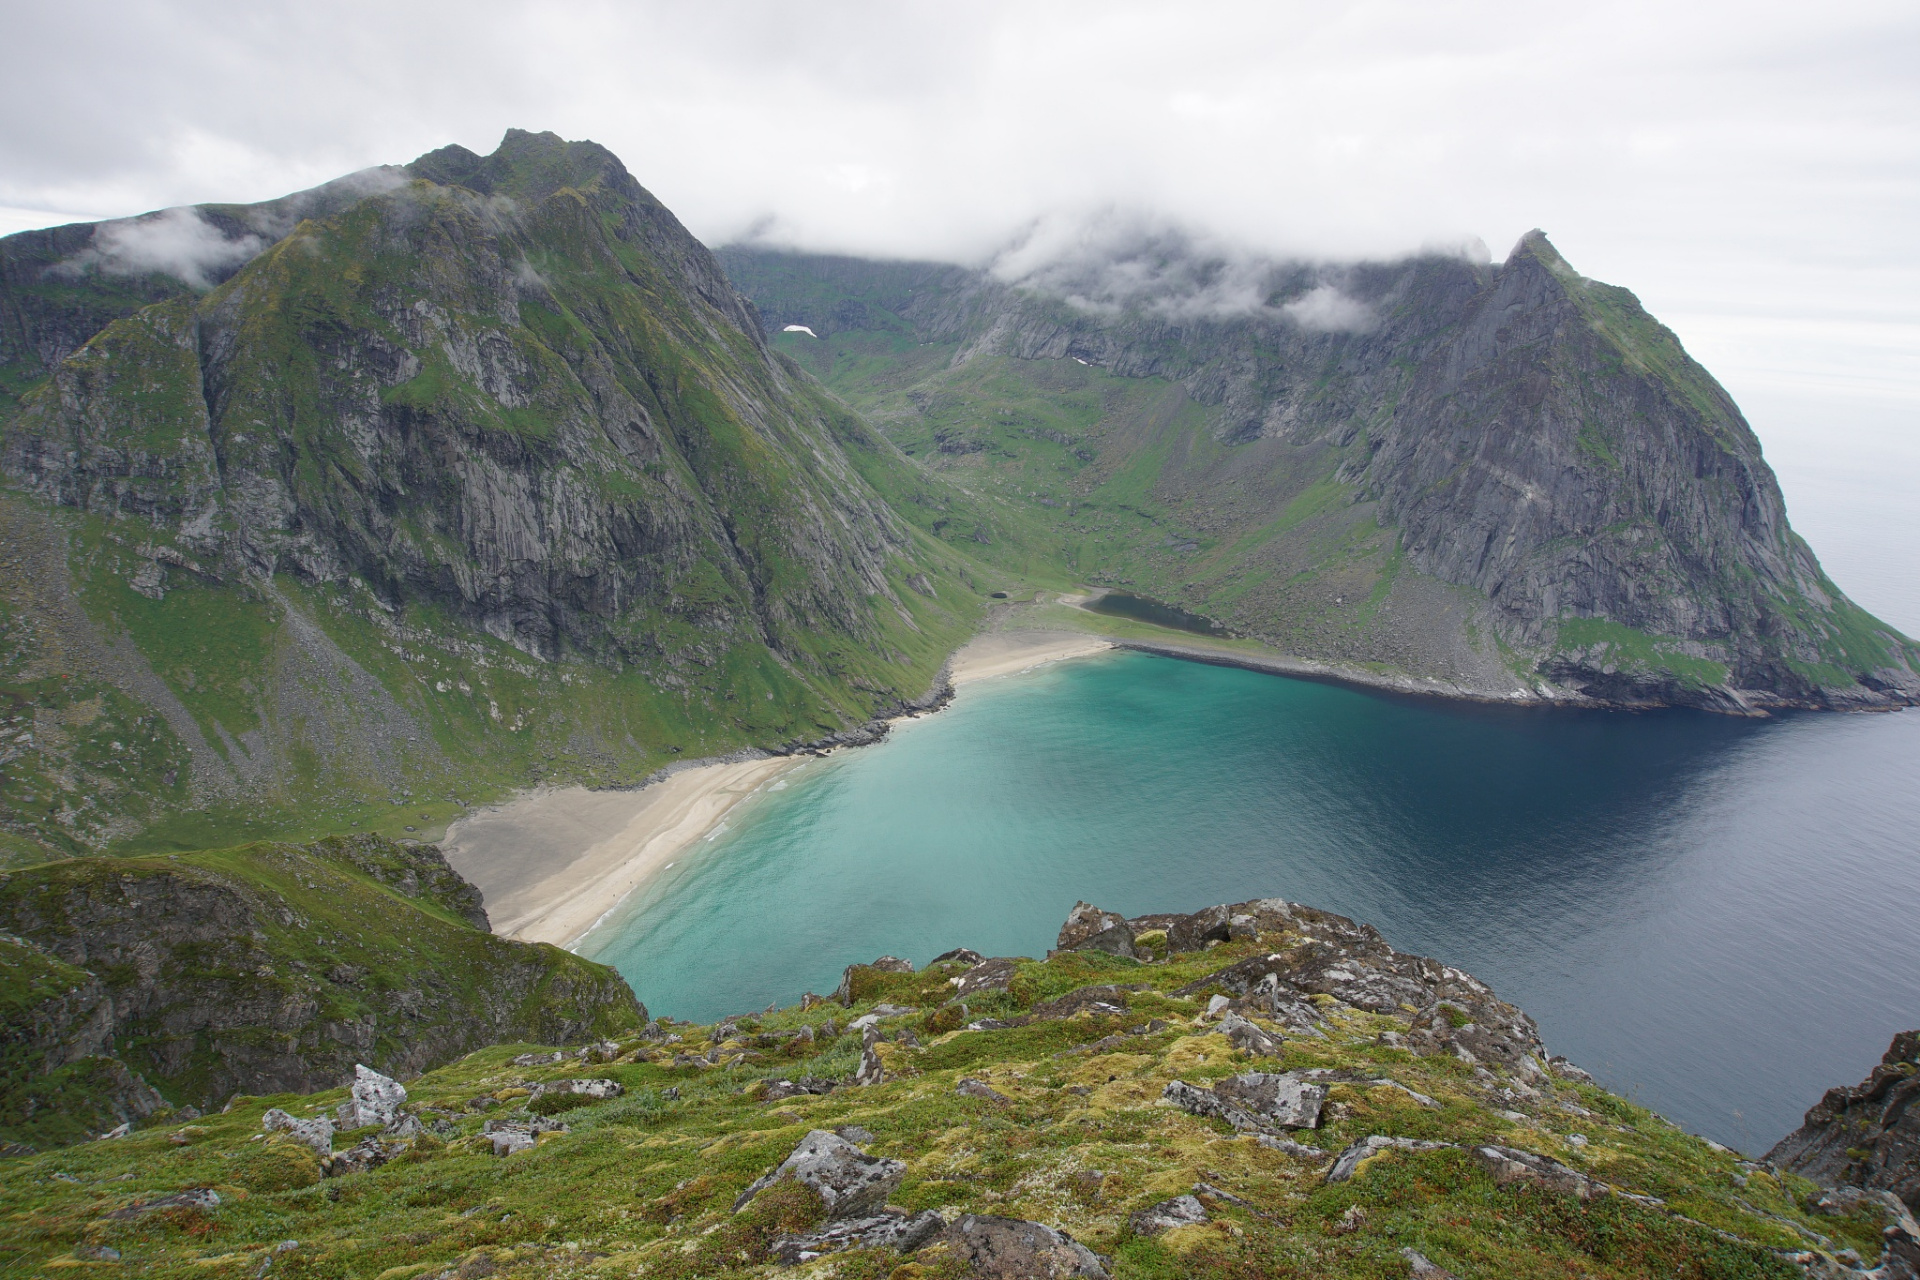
(1751, 168)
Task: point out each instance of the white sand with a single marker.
(1001, 653)
(553, 863)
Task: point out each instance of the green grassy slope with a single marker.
(644, 1185)
(266, 963)
(428, 502)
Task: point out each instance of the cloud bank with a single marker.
(176, 242)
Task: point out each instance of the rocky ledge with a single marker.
(1258, 1088)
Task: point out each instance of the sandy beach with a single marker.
(552, 863)
(1001, 653)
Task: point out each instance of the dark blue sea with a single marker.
(1717, 917)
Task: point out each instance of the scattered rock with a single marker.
(779, 1089)
(1424, 1268)
(201, 1198)
(1010, 1249)
(1348, 1162)
(988, 975)
(959, 955)
(1248, 1038)
(850, 1182)
(1510, 1165)
(894, 1230)
(855, 1133)
(1181, 1211)
(316, 1133)
(971, 1088)
(596, 1089)
(1254, 1100)
(1100, 999)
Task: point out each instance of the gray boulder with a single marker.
(376, 1099)
(1284, 1100)
(989, 975)
(1256, 1101)
(851, 1183)
(1088, 928)
(1249, 1038)
(959, 955)
(1011, 1249)
(316, 1133)
(1510, 1165)
(900, 1232)
(1181, 1211)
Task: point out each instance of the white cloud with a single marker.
(1326, 308)
(175, 242)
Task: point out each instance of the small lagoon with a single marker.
(1714, 916)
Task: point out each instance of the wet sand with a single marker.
(552, 863)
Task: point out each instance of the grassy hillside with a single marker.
(1070, 1131)
(267, 965)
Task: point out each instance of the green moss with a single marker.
(1636, 650)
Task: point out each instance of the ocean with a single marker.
(1714, 916)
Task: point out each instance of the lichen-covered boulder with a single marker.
(849, 1181)
(1012, 1249)
(376, 1099)
(316, 1133)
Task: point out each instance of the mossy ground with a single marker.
(643, 1185)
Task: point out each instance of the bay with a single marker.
(1714, 916)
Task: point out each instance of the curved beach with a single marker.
(553, 862)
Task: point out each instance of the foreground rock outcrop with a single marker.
(1271, 1097)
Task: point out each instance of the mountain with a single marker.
(139, 983)
(431, 482)
(1507, 480)
(1259, 1089)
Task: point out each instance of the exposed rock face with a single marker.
(1518, 431)
(279, 969)
(849, 1182)
(467, 422)
(1010, 1249)
(1330, 955)
(444, 434)
(1867, 1135)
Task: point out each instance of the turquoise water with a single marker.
(1715, 916)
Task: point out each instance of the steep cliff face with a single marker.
(266, 969)
(500, 418)
(1507, 477)
(1866, 1136)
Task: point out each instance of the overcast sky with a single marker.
(1750, 168)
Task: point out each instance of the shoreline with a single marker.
(554, 863)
